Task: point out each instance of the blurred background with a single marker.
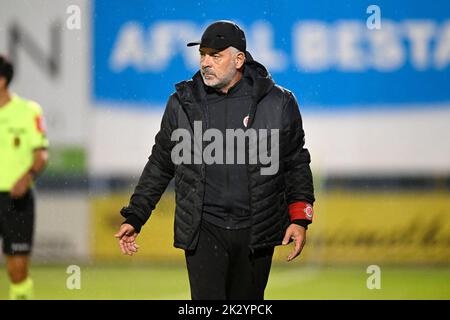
(373, 88)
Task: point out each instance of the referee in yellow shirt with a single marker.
(23, 155)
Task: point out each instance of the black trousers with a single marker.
(223, 267)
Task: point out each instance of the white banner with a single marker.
(48, 43)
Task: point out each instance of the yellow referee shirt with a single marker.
(21, 132)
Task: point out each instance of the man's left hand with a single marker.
(21, 187)
(298, 235)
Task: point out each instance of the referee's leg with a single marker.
(17, 266)
(18, 216)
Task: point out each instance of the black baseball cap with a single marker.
(221, 35)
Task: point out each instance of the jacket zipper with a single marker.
(250, 123)
(227, 173)
(205, 116)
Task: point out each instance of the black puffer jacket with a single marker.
(273, 108)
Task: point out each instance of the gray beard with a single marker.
(221, 84)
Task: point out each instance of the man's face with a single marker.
(218, 68)
(3, 85)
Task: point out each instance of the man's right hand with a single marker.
(127, 239)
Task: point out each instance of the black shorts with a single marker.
(17, 223)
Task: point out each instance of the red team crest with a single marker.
(245, 121)
(308, 211)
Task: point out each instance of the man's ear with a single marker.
(240, 59)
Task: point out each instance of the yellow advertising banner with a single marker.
(348, 227)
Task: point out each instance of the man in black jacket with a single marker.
(232, 210)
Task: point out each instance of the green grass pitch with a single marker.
(293, 282)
